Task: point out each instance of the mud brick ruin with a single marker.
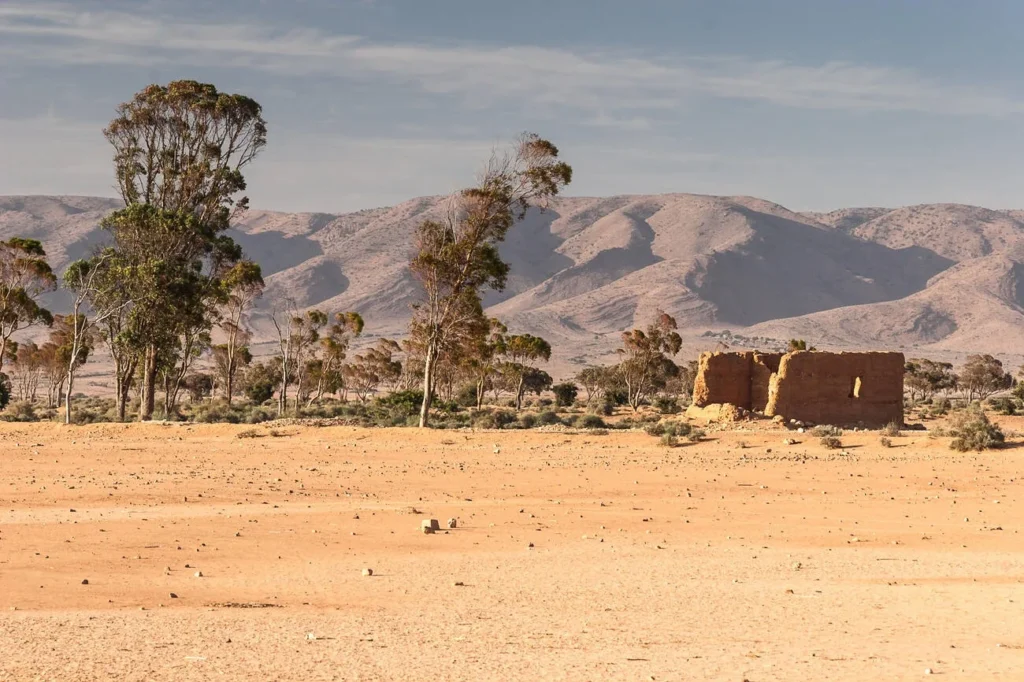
(845, 389)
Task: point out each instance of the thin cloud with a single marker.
(485, 76)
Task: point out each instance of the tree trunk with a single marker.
(428, 385)
(480, 390)
(230, 382)
(519, 393)
(67, 395)
(148, 398)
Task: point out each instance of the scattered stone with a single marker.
(198, 574)
(173, 596)
(85, 582)
(310, 636)
(452, 523)
(367, 572)
(459, 583)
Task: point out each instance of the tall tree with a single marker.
(24, 275)
(179, 152)
(334, 347)
(983, 375)
(92, 304)
(242, 285)
(456, 258)
(518, 350)
(646, 357)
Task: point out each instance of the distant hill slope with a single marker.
(944, 276)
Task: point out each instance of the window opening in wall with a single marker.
(855, 387)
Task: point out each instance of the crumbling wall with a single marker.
(763, 367)
(723, 378)
(838, 388)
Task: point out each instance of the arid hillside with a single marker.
(940, 277)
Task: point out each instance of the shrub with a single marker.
(5, 391)
(607, 408)
(249, 433)
(466, 397)
(667, 404)
(20, 411)
(590, 421)
(528, 420)
(260, 391)
(656, 429)
(565, 394)
(831, 442)
(826, 430)
(548, 418)
(973, 431)
(892, 429)
(696, 435)
(669, 440)
(886, 442)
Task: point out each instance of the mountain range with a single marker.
(933, 280)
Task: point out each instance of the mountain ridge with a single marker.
(942, 278)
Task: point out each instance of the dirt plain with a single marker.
(576, 556)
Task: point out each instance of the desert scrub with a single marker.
(831, 442)
(528, 420)
(892, 429)
(972, 430)
(885, 441)
(695, 435)
(590, 421)
(669, 440)
(826, 430)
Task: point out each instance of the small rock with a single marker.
(452, 523)
(85, 582)
(427, 528)
(927, 671)
(198, 574)
(173, 596)
(310, 636)
(530, 546)
(367, 572)
(459, 583)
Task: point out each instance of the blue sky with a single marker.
(815, 104)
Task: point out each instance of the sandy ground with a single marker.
(576, 557)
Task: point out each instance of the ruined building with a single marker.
(809, 386)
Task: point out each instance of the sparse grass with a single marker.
(249, 433)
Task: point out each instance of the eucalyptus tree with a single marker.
(179, 151)
(646, 358)
(456, 258)
(518, 350)
(24, 276)
(241, 286)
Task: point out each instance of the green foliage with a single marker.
(548, 418)
(528, 420)
(565, 394)
(972, 430)
(646, 364)
(19, 411)
(457, 258)
(5, 391)
(261, 380)
(667, 404)
(798, 344)
(590, 421)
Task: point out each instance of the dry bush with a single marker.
(831, 442)
(972, 430)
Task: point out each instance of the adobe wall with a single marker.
(838, 388)
(762, 368)
(723, 378)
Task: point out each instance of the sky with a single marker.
(814, 104)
